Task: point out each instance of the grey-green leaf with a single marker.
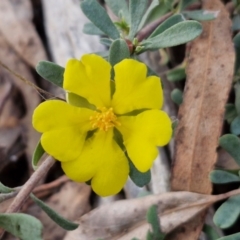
(237, 97)
(231, 144)
(228, 213)
(91, 29)
(235, 236)
(235, 126)
(119, 8)
(230, 112)
(185, 3)
(137, 9)
(210, 232)
(236, 22)
(51, 72)
(79, 101)
(139, 178)
(152, 218)
(61, 221)
(176, 74)
(118, 51)
(171, 21)
(99, 17)
(177, 96)
(106, 41)
(38, 153)
(4, 189)
(236, 41)
(178, 34)
(21, 225)
(221, 177)
(201, 15)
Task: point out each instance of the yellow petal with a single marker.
(103, 161)
(89, 78)
(142, 134)
(133, 89)
(64, 128)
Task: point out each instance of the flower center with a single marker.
(104, 119)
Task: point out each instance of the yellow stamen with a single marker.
(104, 119)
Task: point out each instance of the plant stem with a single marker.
(28, 187)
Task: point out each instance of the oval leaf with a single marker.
(21, 225)
(139, 178)
(118, 51)
(220, 177)
(235, 126)
(176, 74)
(119, 8)
(106, 41)
(61, 221)
(91, 29)
(177, 96)
(235, 236)
(237, 97)
(171, 21)
(201, 15)
(231, 144)
(137, 9)
(178, 34)
(38, 153)
(228, 213)
(236, 41)
(51, 72)
(79, 101)
(210, 232)
(230, 112)
(97, 14)
(4, 189)
(185, 3)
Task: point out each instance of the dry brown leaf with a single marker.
(209, 78)
(20, 32)
(125, 219)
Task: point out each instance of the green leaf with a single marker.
(221, 177)
(228, 213)
(21, 225)
(236, 41)
(201, 15)
(38, 153)
(137, 9)
(178, 34)
(176, 74)
(118, 51)
(185, 3)
(235, 126)
(155, 10)
(177, 96)
(99, 17)
(106, 41)
(231, 144)
(139, 178)
(61, 221)
(210, 232)
(4, 189)
(236, 22)
(119, 8)
(51, 72)
(103, 54)
(152, 218)
(235, 236)
(91, 29)
(79, 101)
(171, 21)
(230, 112)
(237, 97)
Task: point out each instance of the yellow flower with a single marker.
(98, 157)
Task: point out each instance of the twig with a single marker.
(28, 187)
(146, 31)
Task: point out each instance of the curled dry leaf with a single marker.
(125, 219)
